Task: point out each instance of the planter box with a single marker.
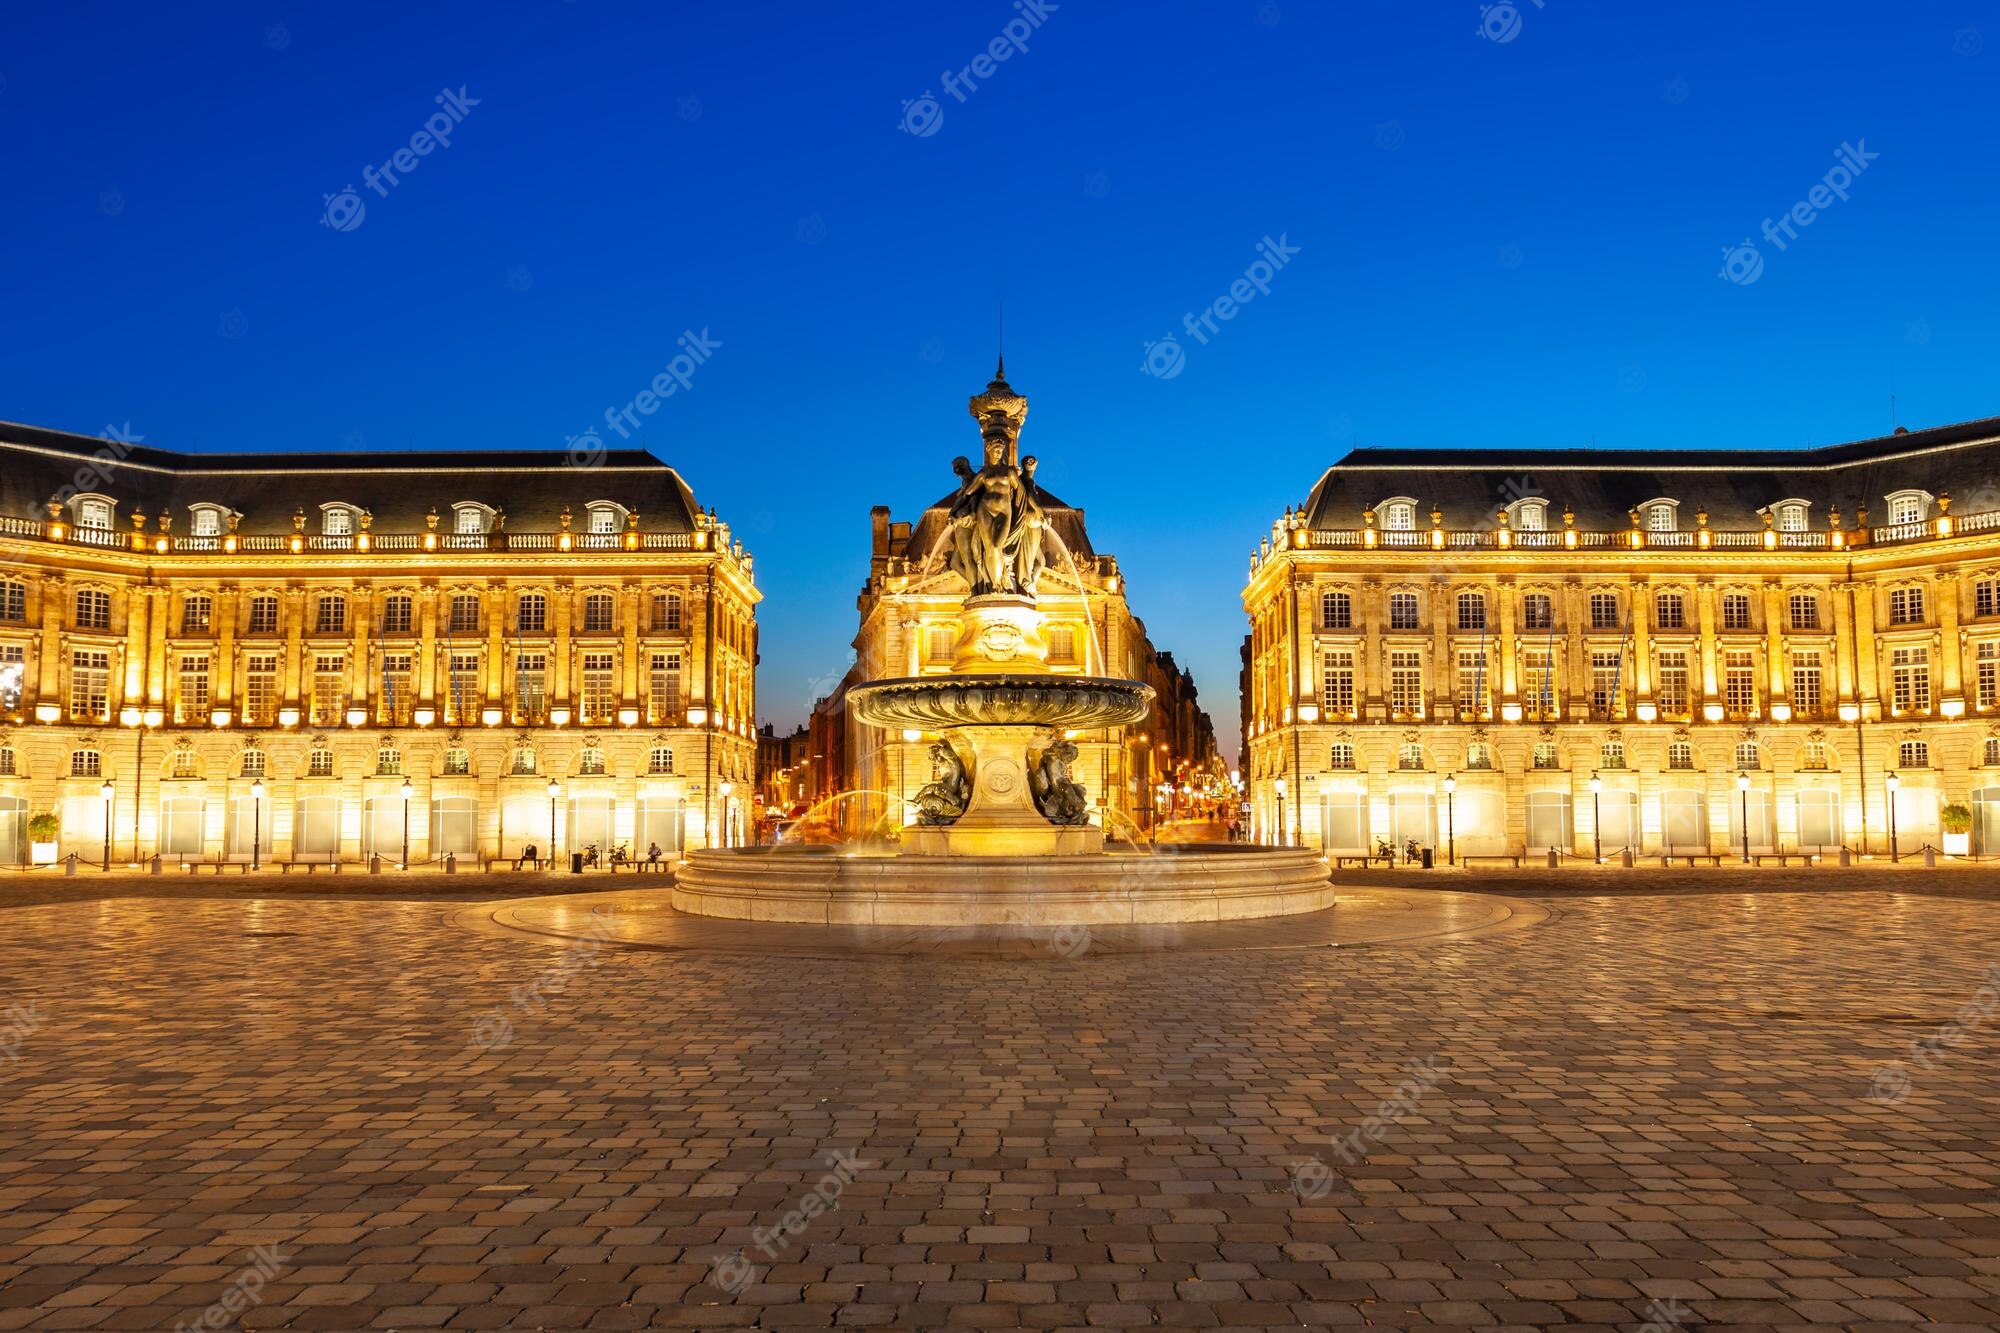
(42, 853)
(1958, 844)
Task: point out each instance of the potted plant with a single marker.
(43, 830)
(1956, 821)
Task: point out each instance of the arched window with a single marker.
(1993, 750)
(524, 762)
(457, 763)
(1659, 516)
(667, 612)
(590, 763)
(1908, 506)
(465, 613)
(1749, 755)
(1612, 755)
(93, 512)
(1399, 516)
(1913, 754)
(1479, 755)
(6, 761)
(185, 764)
(1812, 755)
(205, 520)
(1336, 610)
(1546, 755)
(603, 516)
(1472, 610)
(253, 763)
(469, 518)
(533, 615)
(1680, 755)
(388, 763)
(1531, 515)
(336, 521)
(319, 764)
(86, 764)
(1792, 516)
(597, 613)
(660, 760)
(1341, 756)
(1410, 757)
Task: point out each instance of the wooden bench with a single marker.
(1509, 857)
(515, 863)
(217, 867)
(285, 867)
(1784, 858)
(1713, 858)
(1341, 862)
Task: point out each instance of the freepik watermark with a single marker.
(1743, 263)
(1891, 1083)
(1166, 358)
(266, 1262)
(924, 116)
(494, 1031)
(1313, 1178)
(344, 211)
(696, 349)
(20, 1022)
(735, 1270)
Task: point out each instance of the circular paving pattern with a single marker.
(1362, 917)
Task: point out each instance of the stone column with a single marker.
(1444, 667)
(1705, 620)
(225, 649)
(49, 656)
(1642, 653)
(558, 684)
(629, 663)
(156, 647)
(1374, 618)
(363, 603)
(426, 664)
(1575, 677)
(1951, 667)
(1509, 668)
(1867, 687)
(295, 619)
(1843, 643)
(494, 660)
(133, 676)
(1774, 644)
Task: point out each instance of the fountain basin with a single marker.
(1009, 699)
(832, 886)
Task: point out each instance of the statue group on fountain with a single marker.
(1061, 799)
(944, 798)
(996, 526)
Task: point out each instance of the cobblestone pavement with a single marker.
(1704, 1109)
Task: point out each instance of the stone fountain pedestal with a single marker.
(1001, 819)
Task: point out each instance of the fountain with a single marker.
(1003, 833)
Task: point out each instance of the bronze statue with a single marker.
(945, 797)
(1061, 800)
(997, 522)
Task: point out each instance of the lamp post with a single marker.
(107, 792)
(406, 825)
(1892, 782)
(143, 720)
(1279, 787)
(1596, 818)
(555, 790)
(1450, 820)
(257, 824)
(1743, 795)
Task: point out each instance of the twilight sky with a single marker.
(1501, 229)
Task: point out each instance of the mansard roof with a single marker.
(1602, 486)
(532, 486)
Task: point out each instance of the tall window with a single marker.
(597, 613)
(388, 763)
(1805, 611)
(1402, 610)
(1992, 751)
(1472, 610)
(1812, 756)
(86, 764)
(1604, 610)
(396, 688)
(1472, 681)
(1680, 755)
(1985, 598)
(1735, 611)
(254, 763)
(1337, 685)
(1336, 610)
(523, 764)
(263, 614)
(1906, 606)
(1672, 688)
(398, 613)
(1791, 518)
(1806, 696)
(1913, 754)
(89, 685)
(599, 687)
(462, 700)
(1739, 683)
(1669, 611)
(457, 762)
(469, 519)
(1410, 758)
(13, 673)
(1531, 515)
(205, 521)
(465, 613)
(660, 759)
(667, 612)
(331, 617)
(93, 608)
(1910, 679)
(1546, 755)
(532, 616)
(319, 764)
(1989, 674)
(590, 763)
(1538, 611)
(1607, 670)
(260, 689)
(13, 601)
(1062, 644)
(1538, 684)
(191, 700)
(531, 685)
(1340, 755)
(1479, 755)
(1611, 755)
(603, 518)
(195, 611)
(1749, 756)
(1406, 684)
(663, 688)
(329, 688)
(6, 761)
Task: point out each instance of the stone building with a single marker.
(304, 655)
(1667, 651)
(909, 613)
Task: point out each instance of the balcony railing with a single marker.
(367, 542)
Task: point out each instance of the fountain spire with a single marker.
(1000, 413)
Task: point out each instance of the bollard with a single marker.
(451, 863)
(1554, 862)
(1846, 857)
(1930, 855)
(374, 863)
(69, 864)
(153, 866)
(1625, 858)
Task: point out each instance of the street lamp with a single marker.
(555, 790)
(1450, 820)
(106, 791)
(1279, 786)
(1743, 793)
(1596, 819)
(406, 824)
(1893, 781)
(256, 824)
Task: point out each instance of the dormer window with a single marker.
(336, 520)
(470, 518)
(1658, 515)
(604, 516)
(94, 511)
(206, 520)
(1791, 515)
(1398, 515)
(1909, 506)
(1529, 515)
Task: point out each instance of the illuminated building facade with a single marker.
(1505, 652)
(317, 656)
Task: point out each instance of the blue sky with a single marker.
(1511, 242)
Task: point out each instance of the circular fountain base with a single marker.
(833, 886)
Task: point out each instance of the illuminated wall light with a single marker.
(362, 541)
(1944, 525)
(1308, 713)
(48, 712)
(160, 546)
(356, 716)
(130, 717)
(1505, 537)
(430, 541)
(229, 544)
(1781, 712)
(697, 717)
(1648, 712)
(1369, 538)
(1712, 712)
(288, 717)
(1952, 707)
(1569, 538)
(219, 717)
(1838, 539)
(1437, 539)
(56, 531)
(1638, 539)
(490, 716)
(631, 541)
(563, 542)
(1299, 538)
(559, 717)
(701, 541)
(297, 544)
(1510, 712)
(628, 717)
(423, 717)
(1702, 539)
(1850, 712)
